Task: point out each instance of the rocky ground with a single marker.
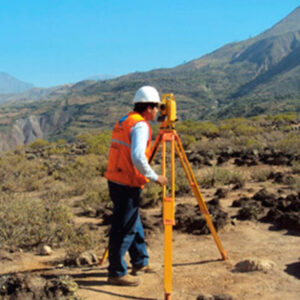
(258, 224)
(257, 228)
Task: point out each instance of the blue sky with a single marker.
(52, 42)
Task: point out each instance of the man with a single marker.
(127, 172)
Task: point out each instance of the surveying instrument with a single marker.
(168, 134)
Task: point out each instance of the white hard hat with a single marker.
(146, 94)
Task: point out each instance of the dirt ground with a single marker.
(197, 265)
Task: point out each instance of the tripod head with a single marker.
(167, 111)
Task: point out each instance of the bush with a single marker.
(198, 129)
(219, 176)
(182, 184)
(17, 174)
(289, 144)
(27, 223)
(151, 195)
(81, 172)
(261, 174)
(95, 199)
(59, 147)
(239, 127)
(282, 119)
(96, 143)
(188, 141)
(39, 144)
(296, 167)
(82, 239)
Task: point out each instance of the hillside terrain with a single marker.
(10, 85)
(54, 195)
(257, 76)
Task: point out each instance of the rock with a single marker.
(61, 288)
(189, 218)
(250, 265)
(214, 297)
(223, 297)
(250, 211)
(22, 287)
(205, 297)
(221, 193)
(86, 258)
(45, 250)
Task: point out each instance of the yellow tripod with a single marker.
(168, 134)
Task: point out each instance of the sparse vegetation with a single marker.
(219, 177)
(43, 184)
(27, 223)
(261, 174)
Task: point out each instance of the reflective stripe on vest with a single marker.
(120, 168)
(120, 142)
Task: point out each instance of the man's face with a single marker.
(151, 112)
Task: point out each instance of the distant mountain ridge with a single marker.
(11, 85)
(102, 77)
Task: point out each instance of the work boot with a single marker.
(142, 269)
(125, 280)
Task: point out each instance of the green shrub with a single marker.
(219, 176)
(239, 127)
(282, 119)
(27, 223)
(96, 143)
(81, 172)
(182, 184)
(188, 141)
(59, 147)
(39, 144)
(261, 174)
(151, 195)
(95, 199)
(81, 239)
(17, 174)
(290, 143)
(197, 129)
(296, 184)
(296, 167)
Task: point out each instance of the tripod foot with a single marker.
(168, 296)
(224, 255)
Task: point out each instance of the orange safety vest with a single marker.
(120, 168)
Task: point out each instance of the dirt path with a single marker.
(197, 266)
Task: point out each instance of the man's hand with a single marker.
(161, 180)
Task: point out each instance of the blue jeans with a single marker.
(126, 233)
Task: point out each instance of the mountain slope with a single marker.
(260, 75)
(10, 85)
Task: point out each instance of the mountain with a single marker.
(256, 76)
(102, 77)
(34, 94)
(11, 85)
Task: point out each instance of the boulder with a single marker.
(255, 264)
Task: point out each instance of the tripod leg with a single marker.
(104, 257)
(203, 208)
(155, 147)
(169, 221)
